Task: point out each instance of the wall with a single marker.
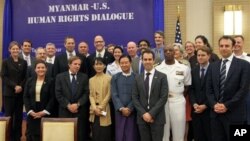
(218, 22)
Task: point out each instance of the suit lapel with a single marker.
(231, 69)
(154, 79)
(217, 73)
(67, 80)
(143, 86)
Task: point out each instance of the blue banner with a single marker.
(118, 21)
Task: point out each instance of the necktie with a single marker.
(99, 54)
(50, 60)
(27, 60)
(146, 83)
(158, 53)
(202, 74)
(222, 79)
(70, 55)
(73, 84)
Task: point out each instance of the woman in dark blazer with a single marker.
(13, 77)
(38, 99)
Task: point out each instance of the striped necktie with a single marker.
(222, 79)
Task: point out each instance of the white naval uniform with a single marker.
(113, 69)
(178, 76)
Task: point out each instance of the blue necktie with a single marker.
(222, 79)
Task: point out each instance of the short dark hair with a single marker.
(125, 56)
(73, 58)
(14, 43)
(27, 40)
(226, 37)
(68, 37)
(118, 47)
(205, 49)
(39, 61)
(236, 36)
(148, 51)
(144, 40)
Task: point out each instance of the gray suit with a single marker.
(135, 65)
(158, 98)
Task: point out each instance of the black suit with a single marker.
(235, 92)
(50, 71)
(61, 63)
(200, 121)
(47, 95)
(108, 58)
(13, 74)
(64, 97)
(158, 98)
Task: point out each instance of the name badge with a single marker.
(179, 72)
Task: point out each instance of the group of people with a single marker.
(148, 94)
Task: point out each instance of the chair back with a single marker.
(59, 129)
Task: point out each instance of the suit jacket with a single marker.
(64, 96)
(135, 65)
(157, 101)
(47, 95)
(61, 63)
(31, 70)
(108, 58)
(13, 74)
(235, 88)
(32, 59)
(198, 88)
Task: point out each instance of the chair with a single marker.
(59, 129)
(4, 128)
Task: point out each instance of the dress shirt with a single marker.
(152, 72)
(228, 63)
(102, 53)
(68, 53)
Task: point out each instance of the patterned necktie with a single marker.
(50, 60)
(222, 79)
(70, 55)
(99, 55)
(73, 84)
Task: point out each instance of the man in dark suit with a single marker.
(26, 52)
(60, 64)
(99, 44)
(149, 97)
(200, 110)
(227, 88)
(72, 93)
